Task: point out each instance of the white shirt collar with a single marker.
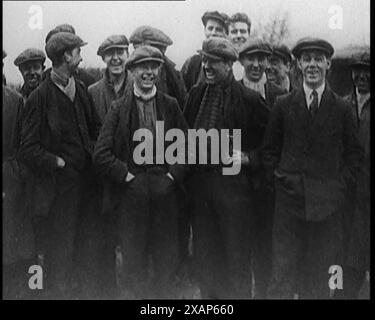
(308, 93)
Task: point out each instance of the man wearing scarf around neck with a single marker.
(143, 198)
(221, 205)
(59, 129)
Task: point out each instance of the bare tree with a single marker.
(275, 30)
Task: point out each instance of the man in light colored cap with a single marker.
(170, 80)
(146, 213)
(279, 67)
(80, 74)
(254, 55)
(215, 25)
(114, 53)
(31, 65)
(357, 262)
(59, 129)
(222, 205)
(311, 149)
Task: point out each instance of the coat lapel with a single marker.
(52, 111)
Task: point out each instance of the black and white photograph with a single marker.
(186, 150)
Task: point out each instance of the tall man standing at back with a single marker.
(60, 127)
(312, 149)
(239, 26)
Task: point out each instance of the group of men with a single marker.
(78, 203)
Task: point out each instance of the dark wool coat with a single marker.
(316, 159)
(113, 151)
(244, 110)
(41, 136)
(18, 237)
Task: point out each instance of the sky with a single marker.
(26, 23)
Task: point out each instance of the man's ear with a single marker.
(329, 63)
(299, 64)
(67, 55)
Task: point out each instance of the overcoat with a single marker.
(315, 158)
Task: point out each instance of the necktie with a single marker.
(314, 104)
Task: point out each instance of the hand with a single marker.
(129, 177)
(170, 176)
(60, 162)
(240, 157)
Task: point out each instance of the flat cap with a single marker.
(60, 28)
(143, 54)
(361, 59)
(312, 44)
(30, 54)
(215, 15)
(255, 46)
(283, 52)
(150, 36)
(62, 41)
(219, 48)
(114, 41)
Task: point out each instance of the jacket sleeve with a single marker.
(31, 150)
(94, 123)
(259, 119)
(273, 139)
(353, 153)
(105, 161)
(179, 171)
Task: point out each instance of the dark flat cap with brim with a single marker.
(144, 53)
(148, 35)
(361, 59)
(114, 41)
(219, 48)
(252, 46)
(283, 52)
(60, 28)
(215, 15)
(312, 44)
(30, 54)
(62, 41)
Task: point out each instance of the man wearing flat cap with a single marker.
(115, 82)
(18, 238)
(312, 152)
(170, 80)
(80, 74)
(357, 260)
(59, 129)
(142, 195)
(215, 25)
(254, 57)
(221, 205)
(31, 65)
(279, 67)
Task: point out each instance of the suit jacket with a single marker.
(243, 110)
(103, 94)
(113, 151)
(313, 160)
(190, 71)
(41, 137)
